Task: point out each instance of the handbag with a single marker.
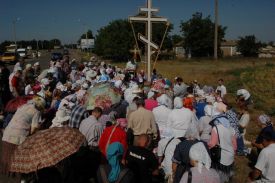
(108, 142)
(215, 152)
(189, 179)
(166, 148)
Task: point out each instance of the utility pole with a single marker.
(37, 46)
(86, 30)
(216, 31)
(14, 30)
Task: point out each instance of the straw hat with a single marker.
(61, 116)
(91, 74)
(36, 64)
(28, 66)
(90, 108)
(39, 102)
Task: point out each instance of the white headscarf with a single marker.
(208, 110)
(178, 103)
(243, 93)
(167, 133)
(192, 132)
(264, 119)
(150, 94)
(199, 153)
(163, 100)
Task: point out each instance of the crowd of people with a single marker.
(159, 131)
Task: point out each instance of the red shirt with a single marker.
(119, 135)
(150, 104)
(14, 82)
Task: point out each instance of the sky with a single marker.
(68, 19)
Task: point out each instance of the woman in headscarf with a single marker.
(162, 112)
(222, 134)
(151, 102)
(204, 126)
(180, 118)
(242, 100)
(201, 163)
(114, 171)
(264, 122)
(114, 133)
(24, 123)
(166, 148)
(181, 161)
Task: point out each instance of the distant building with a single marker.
(56, 47)
(179, 50)
(267, 52)
(87, 44)
(229, 48)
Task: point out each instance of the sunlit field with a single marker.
(255, 75)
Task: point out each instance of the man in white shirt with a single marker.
(265, 166)
(221, 89)
(91, 128)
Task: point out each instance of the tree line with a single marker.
(197, 38)
(115, 40)
(35, 44)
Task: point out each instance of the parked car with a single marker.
(10, 57)
(22, 52)
(56, 56)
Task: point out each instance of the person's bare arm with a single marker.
(254, 174)
(160, 158)
(174, 167)
(155, 172)
(259, 146)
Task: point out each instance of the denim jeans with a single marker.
(240, 144)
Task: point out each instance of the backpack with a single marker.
(105, 178)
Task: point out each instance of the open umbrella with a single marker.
(158, 85)
(13, 104)
(46, 148)
(102, 95)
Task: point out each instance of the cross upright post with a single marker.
(148, 39)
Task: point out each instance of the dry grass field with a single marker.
(255, 75)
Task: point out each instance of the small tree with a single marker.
(176, 39)
(88, 34)
(198, 34)
(248, 46)
(115, 40)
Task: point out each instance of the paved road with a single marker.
(46, 57)
(43, 60)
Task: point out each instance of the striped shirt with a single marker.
(78, 114)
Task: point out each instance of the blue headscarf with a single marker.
(223, 120)
(113, 152)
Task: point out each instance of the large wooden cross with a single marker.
(148, 40)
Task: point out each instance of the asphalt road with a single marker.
(45, 58)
